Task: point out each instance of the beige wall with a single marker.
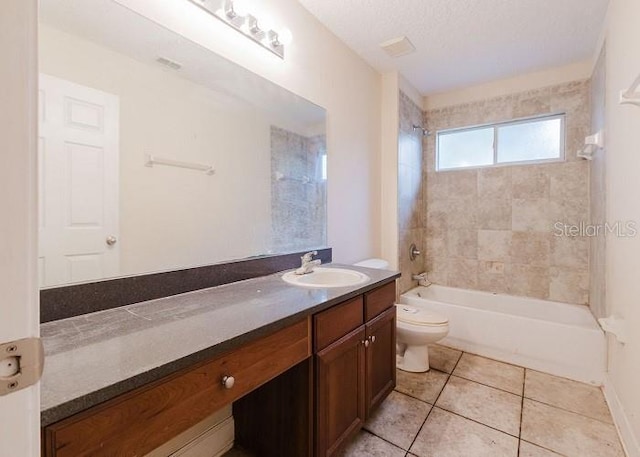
(502, 87)
(492, 229)
(324, 70)
(623, 204)
(411, 204)
(389, 133)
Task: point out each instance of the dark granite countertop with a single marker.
(95, 357)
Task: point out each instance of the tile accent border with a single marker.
(73, 300)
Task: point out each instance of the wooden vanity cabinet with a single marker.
(381, 359)
(286, 403)
(340, 391)
(138, 422)
(355, 371)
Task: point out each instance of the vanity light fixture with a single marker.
(234, 14)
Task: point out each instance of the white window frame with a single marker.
(496, 126)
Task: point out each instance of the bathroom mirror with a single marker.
(157, 154)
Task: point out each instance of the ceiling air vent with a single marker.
(397, 47)
(169, 63)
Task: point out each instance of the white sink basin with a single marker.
(326, 277)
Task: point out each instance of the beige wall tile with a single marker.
(529, 281)
(569, 285)
(494, 183)
(568, 212)
(570, 181)
(437, 186)
(462, 184)
(494, 202)
(530, 181)
(438, 270)
(494, 214)
(569, 251)
(531, 215)
(462, 273)
(494, 245)
(531, 248)
(494, 283)
(462, 243)
(437, 223)
(462, 213)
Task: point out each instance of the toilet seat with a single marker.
(420, 317)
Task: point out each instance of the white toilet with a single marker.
(416, 328)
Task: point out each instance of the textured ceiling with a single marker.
(465, 42)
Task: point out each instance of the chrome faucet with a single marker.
(308, 264)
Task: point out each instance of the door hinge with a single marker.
(21, 364)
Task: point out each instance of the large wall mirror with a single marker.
(156, 154)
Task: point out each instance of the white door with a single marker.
(78, 180)
(19, 411)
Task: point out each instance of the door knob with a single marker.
(366, 343)
(373, 338)
(111, 240)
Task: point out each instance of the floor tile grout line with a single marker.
(366, 430)
(434, 402)
(487, 385)
(523, 387)
(544, 447)
(571, 412)
(477, 422)
(487, 358)
(524, 383)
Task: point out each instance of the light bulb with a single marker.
(265, 22)
(285, 37)
(240, 7)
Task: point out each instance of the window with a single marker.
(530, 140)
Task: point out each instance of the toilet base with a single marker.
(414, 359)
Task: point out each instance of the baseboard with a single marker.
(625, 430)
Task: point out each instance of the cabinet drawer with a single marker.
(140, 421)
(379, 299)
(336, 322)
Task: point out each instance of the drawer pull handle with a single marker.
(228, 382)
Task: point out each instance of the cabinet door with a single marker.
(340, 401)
(381, 358)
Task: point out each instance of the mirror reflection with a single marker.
(156, 154)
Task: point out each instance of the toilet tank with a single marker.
(380, 264)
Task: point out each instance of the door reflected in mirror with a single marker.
(239, 163)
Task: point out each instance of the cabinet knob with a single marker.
(111, 240)
(228, 382)
(366, 343)
(373, 338)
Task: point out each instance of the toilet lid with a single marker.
(418, 316)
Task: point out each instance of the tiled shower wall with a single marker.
(411, 204)
(492, 229)
(298, 192)
(597, 275)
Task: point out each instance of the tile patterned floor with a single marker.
(470, 406)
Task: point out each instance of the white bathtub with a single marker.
(556, 338)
